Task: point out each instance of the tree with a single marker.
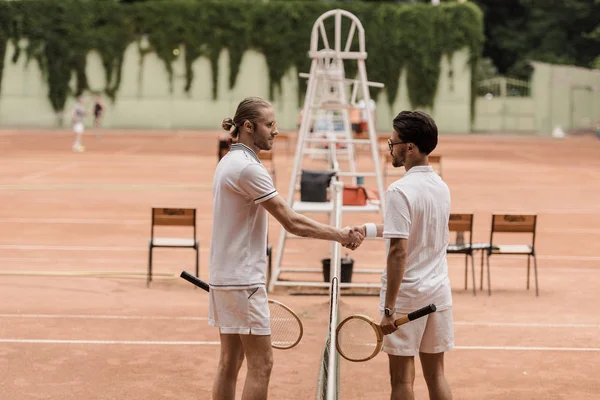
(555, 31)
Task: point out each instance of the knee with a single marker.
(262, 365)
(402, 380)
(231, 363)
(433, 375)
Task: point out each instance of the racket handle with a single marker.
(192, 279)
(421, 312)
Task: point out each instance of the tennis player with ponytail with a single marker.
(416, 224)
(243, 193)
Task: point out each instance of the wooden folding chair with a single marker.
(512, 223)
(461, 223)
(436, 163)
(173, 217)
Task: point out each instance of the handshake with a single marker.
(353, 236)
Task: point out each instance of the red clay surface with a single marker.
(101, 335)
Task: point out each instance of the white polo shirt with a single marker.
(418, 209)
(239, 235)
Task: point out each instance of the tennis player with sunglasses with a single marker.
(416, 224)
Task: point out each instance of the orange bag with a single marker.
(357, 196)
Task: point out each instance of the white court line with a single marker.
(103, 186)
(73, 221)
(526, 348)
(526, 324)
(106, 221)
(129, 342)
(69, 261)
(76, 248)
(216, 343)
(49, 171)
(158, 317)
(83, 316)
(129, 150)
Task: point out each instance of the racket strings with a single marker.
(357, 339)
(285, 327)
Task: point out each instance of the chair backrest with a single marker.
(265, 155)
(173, 217)
(513, 223)
(461, 223)
(436, 163)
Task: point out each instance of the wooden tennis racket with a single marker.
(359, 338)
(286, 327)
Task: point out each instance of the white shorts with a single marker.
(78, 127)
(244, 312)
(433, 333)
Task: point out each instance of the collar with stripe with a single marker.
(243, 147)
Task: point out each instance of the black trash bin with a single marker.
(347, 265)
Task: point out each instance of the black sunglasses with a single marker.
(392, 144)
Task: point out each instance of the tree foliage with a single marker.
(553, 31)
(62, 32)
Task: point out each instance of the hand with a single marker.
(387, 324)
(351, 238)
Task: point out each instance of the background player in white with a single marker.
(416, 224)
(243, 193)
(79, 113)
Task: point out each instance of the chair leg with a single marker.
(488, 276)
(197, 259)
(528, 263)
(481, 274)
(473, 275)
(466, 269)
(537, 291)
(149, 278)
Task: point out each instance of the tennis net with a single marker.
(329, 373)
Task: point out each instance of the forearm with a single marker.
(306, 227)
(396, 264)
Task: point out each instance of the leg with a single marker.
(488, 276)
(402, 376)
(197, 259)
(537, 291)
(230, 362)
(473, 274)
(433, 371)
(149, 266)
(466, 271)
(481, 274)
(259, 356)
(528, 263)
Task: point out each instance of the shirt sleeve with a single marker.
(256, 183)
(396, 223)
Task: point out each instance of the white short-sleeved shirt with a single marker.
(418, 209)
(239, 235)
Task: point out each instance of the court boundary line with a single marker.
(106, 316)
(216, 343)
(186, 318)
(46, 172)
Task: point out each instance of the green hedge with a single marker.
(62, 32)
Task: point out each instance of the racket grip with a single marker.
(192, 279)
(421, 312)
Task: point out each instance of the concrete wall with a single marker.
(504, 114)
(144, 99)
(565, 96)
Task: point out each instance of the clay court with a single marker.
(78, 322)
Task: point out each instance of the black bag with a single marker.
(314, 184)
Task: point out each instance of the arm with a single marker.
(301, 225)
(396, 265)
